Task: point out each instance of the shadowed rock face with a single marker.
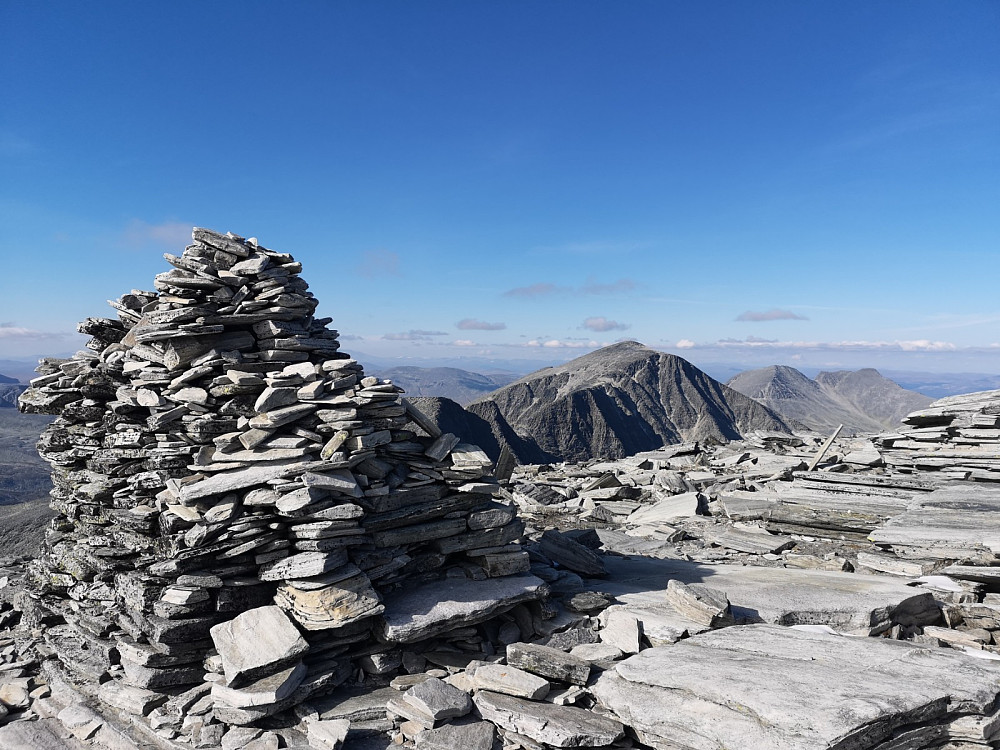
(862, 401)
(615, 402)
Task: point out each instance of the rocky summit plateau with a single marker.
(257, 545)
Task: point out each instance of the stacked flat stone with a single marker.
(216, 453)
(958, 436)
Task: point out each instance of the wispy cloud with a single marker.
(621, 286)
(603, 324)
(378, 263)
(13, 332)
(13, 145)
(592, 287)
(463, 342)
(752, 342)
(167, 235)
(772, 314)
(534, 291)
(413, 335)
(594, 247)
(561, 344)
(471, 324)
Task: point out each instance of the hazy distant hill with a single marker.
(614, 402)
(18, 371)
(941, 384)
(862, 401)
(458, 385)
(9, 391)
(24, 483)
(874, 395)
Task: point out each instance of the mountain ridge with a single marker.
(614, 402)
(863, 401)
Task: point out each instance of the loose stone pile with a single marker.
(223, 471)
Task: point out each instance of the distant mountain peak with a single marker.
(616, 401)
(861, 400)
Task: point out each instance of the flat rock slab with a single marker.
(477, 736)
(784, 596)
(954, 523)
(417, 613)
(766, 687)
(548, 662)
(558, 726)
(46, 734)
(257, 643)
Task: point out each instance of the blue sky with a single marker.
(812, 184)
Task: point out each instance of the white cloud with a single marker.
(463, 342)
(685, 344)
(923, 345)
(601, 324)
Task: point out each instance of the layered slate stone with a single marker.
(786, 596)
(792, 689)
(215, 453)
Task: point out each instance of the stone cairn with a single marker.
(244, 519)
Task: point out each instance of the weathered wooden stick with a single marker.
(825, 448)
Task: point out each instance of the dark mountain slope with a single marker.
(615, 402)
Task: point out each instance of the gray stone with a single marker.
(571, 554)
(303, 565)
(430, 702)
(704, 605)
(262, 692)
(477, 736)
(420, 612)
(132, 700)
(621, 629)
(597, 652)
(844, 601)
(558, 726)
(779, 688)
(548, 662)
(501, 678)
(257, 643)
(47, 734)
(327, 735)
